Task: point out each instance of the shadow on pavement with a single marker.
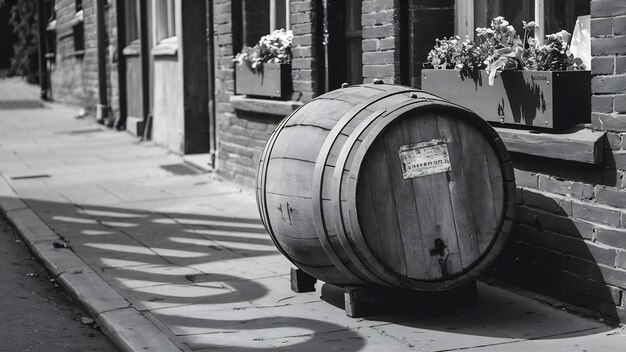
(218, 282)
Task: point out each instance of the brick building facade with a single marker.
(72, 56)
(569, 241)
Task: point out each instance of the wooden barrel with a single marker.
(386, 185)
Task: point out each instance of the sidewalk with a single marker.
(169, 258)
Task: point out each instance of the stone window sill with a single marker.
(166, 47)
(78, 19)
(579, 144)
(265, 106)
(52, 26)
(133, 49)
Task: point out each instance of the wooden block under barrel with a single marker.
(301, 281)
(368, 301)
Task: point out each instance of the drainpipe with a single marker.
(41, 24)
(102, 109)
(144, 37)
(121, 62)
(211, 62)
(325, 43)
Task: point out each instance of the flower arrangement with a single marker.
(499, 48)
(273, 48)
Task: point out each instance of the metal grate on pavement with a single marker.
(21, 104)
(182, 169)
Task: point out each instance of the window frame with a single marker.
(273, 21)
(131, 21)
(354, 35)
(164, 19)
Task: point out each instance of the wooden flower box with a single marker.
(268, 80)
(535, 99)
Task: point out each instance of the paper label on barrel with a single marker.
(425, 158)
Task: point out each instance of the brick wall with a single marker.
(74, 74)
(242, 135)
(570, 237)
(608, 47)
(381, 41)
(304, 51)
(70, 71)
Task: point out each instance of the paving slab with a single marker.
(441, 334)
(343, 340)
(129, 276)
(598, 339)
(528, 319)
(131, 331)
(103, 253)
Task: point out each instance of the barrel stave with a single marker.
(487, 210)
(290, 144)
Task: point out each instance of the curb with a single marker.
(127, 328)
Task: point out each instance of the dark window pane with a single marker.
(256, 20)
(513, 11)
(354, 60)
(353, 15)
(562, 14)
(132, 32)
(281, 14)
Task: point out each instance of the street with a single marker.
(37, 314)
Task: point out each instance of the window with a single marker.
(344, 46)
(551, 15)
(131, 21)
(279, 15)
(50, 29)
(253, 19)
(78, 28)
(354, 54)
(165, 20)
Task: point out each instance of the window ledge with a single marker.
(52, 26)
(133, 49)
(166, 47)
(265, 106)
(78, 19)
(577, 144)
